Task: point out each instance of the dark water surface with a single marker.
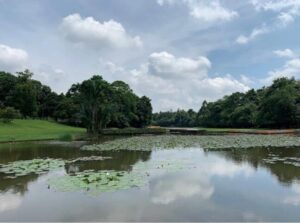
(233, 185)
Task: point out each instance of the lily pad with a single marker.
(97, 182)
(26, 167)
(88, 158)
(148, 143)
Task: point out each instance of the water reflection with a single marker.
(294, 198)
(121, 160)
(196, 182)
(9, 201)
(273, 159)
(176, 186)
(233, 185)
(16, 185)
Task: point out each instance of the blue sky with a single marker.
(177, 52)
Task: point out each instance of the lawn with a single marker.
(22, 130)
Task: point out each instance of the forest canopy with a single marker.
(94, 103)
(276, 106)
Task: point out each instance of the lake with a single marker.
(190, 184)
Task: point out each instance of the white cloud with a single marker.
(12, 59)
(291, 68)
(175, 82)
(284, 53)
(286, 12)
(210, 11)
(254, 34)
(285, 18)
(56, 78)
(246, 80)
(206, 11)
(166, 65)
(92, 32)
(276, 5)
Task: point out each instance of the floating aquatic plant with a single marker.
(146, 143)
(285, 160)
(97, 182)
(26, 167)
(88, 158)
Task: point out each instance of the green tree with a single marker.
(7, 114)
(278, 105)
(95, 96)
(144, 111)
(7, 84)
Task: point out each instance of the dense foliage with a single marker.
(94, 103)
(276, 106)
(180, 118)
(7, 114)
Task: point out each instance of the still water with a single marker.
(232, 185)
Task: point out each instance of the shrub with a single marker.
(66, 137)
(7, 114)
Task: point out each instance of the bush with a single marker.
(7, 114)
(66, 137)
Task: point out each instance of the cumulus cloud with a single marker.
(207, 11)
(284, 53)
(176, 82)
(12, 59)
(166, 65)
(291, 68)
(92, 32)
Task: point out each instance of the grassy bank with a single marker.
(23, 130)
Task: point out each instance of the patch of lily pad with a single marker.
(285, 160)
(27, 167)
(97, 182)
(89, 158)
(148, 143)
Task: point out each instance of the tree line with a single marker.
(94, 103)
(276, 106)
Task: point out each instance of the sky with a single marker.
(177, 52)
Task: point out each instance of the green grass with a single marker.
(24, 130)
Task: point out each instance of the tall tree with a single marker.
(95, 95)
(144, 111)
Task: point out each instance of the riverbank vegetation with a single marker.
(276, 106)
(94, 104)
